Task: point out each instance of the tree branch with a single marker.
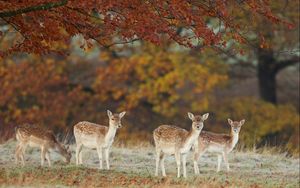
(45, 6)
(285, 63)
(122, 42)
(229, 54)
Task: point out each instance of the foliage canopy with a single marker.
(41, 24)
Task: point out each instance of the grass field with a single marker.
(134, 167)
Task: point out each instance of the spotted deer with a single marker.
(221, 144)
(96, 136)
(176, 141)
(35, 136)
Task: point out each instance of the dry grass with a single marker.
(134, 167)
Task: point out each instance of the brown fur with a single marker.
(207, 137)
(174, 140)
(27, 130)
(222, 144)
(170, 133)
(96, 136)
(41, 137)
(91, 128)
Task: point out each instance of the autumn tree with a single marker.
(269, 48)
(43, 23)
(167, 82)
(38, 91)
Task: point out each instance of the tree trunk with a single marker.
(267, 75)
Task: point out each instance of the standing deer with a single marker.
(34, 136)
(101, 137)
(221, 144)
(174, 140)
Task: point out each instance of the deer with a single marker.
(173, 140)
(221, 144)
(36, 136)
(97, 137)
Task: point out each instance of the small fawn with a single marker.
(35, 136)
(174, 140)
(221, 144)
(101, 137)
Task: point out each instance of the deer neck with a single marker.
(191, 138)
(234, 138)
(109, 137)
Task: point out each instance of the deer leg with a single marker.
(78, 152)
(17, 153)
(107, 158)
(48, 158)
(226, 161)
(178, 160)
(80, 155)
(219, 163)
(199, 151)
(43, 153)
(99, 151)
(196, 158)
(184, 165)
(158, 151)
(22, 153)
(162, 164)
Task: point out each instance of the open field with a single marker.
(134, 167)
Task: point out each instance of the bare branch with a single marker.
(228, 54)
(122, 42)
(285, 63)
(46, 6)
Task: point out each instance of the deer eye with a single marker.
(113, 119)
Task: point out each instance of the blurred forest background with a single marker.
(159, 84)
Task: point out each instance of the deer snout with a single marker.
(67, 160)
(120, 126)
(199, 127)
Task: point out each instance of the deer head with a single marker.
(115, 119)
(198, 120)
(236, 125)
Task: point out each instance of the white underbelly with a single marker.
(89, 142)
(35, 141)
(215, 149)
(168, 150)
(33, 144)
(171, 150)
(186, 149)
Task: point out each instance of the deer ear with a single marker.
(229, 121)
(191, 116)
(109, 113)
(205, 116)
(122, 114)
(242, 122)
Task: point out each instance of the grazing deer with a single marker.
(174, 140)
(101, 137)
(221, 144)
(34, 136)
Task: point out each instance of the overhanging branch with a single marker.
(285, 63)
(45, 6)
